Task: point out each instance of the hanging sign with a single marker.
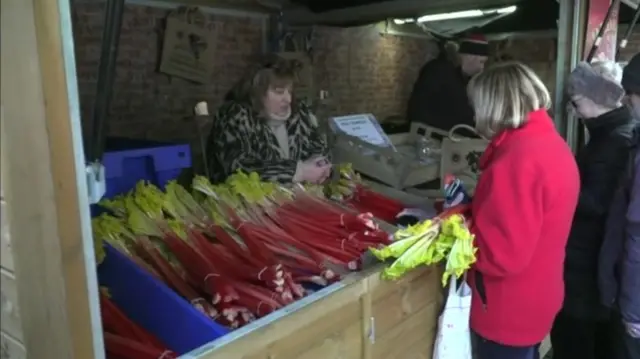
(187, 50)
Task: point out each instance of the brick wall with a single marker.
(362, 70)
(147, 104)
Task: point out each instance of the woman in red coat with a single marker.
(521, 211)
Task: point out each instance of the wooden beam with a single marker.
(223, 7)
(537, 34)
(386, 9)
(45, 186)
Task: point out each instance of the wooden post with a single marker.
(45, 186)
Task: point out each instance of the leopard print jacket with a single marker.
(240, 139)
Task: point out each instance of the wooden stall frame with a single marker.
(45, 187)
(280, 324)
(378, 330)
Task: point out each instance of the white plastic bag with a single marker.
(454, 337)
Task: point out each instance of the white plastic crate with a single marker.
(393, 160)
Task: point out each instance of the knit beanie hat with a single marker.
(585, 81)
(474, 45)
(631, 75)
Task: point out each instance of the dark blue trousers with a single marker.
(486, 349)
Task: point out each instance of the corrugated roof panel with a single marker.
(387, 9)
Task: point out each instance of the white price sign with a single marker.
(363, 126)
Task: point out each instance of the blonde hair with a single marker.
(609, 70)
(503, 95)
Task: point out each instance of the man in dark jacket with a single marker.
(582, 330)
(439, 97)
(619, 267)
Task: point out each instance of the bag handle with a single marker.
(453, 285)
(455, 128)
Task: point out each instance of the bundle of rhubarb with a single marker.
(349, 190)
(240, 250)
(124, 339)
(445, 238)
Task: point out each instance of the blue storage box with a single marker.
(128, 161)
(154, 306)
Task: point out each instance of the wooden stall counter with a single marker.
(362, 317)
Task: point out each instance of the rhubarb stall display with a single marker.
(249, 257)
(361, 316)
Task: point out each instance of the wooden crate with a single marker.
(362, 317)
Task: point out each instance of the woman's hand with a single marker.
(314, 170)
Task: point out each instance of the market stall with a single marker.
(51, 253)
(53, 257)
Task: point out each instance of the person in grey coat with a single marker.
(619, 264)
(582, 329)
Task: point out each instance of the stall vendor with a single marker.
(439, 97)
(262, 128)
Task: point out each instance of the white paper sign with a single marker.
(363, 126)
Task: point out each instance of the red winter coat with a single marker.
(522, 211)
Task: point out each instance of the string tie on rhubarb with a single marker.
(259, 306)
(198, 300)
(166, 354)
(260, 273)
(206, 278)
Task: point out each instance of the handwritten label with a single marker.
(365, 127)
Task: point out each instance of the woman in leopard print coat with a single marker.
(261, 128)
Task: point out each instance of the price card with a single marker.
(363, 126)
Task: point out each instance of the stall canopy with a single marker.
(448, 13)
(443, 17)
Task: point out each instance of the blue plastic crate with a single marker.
(154, 306)
(128, 161)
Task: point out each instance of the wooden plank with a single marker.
(10, 319)
(344, 344)
(6, 253)
(225, 7)
(11, 348)
(320, 336)
(46, 189)
(368, 321)
(395, 308)
(289, 336)
(406, 314)
(420, 326)
(381, 287)
(337, 335)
